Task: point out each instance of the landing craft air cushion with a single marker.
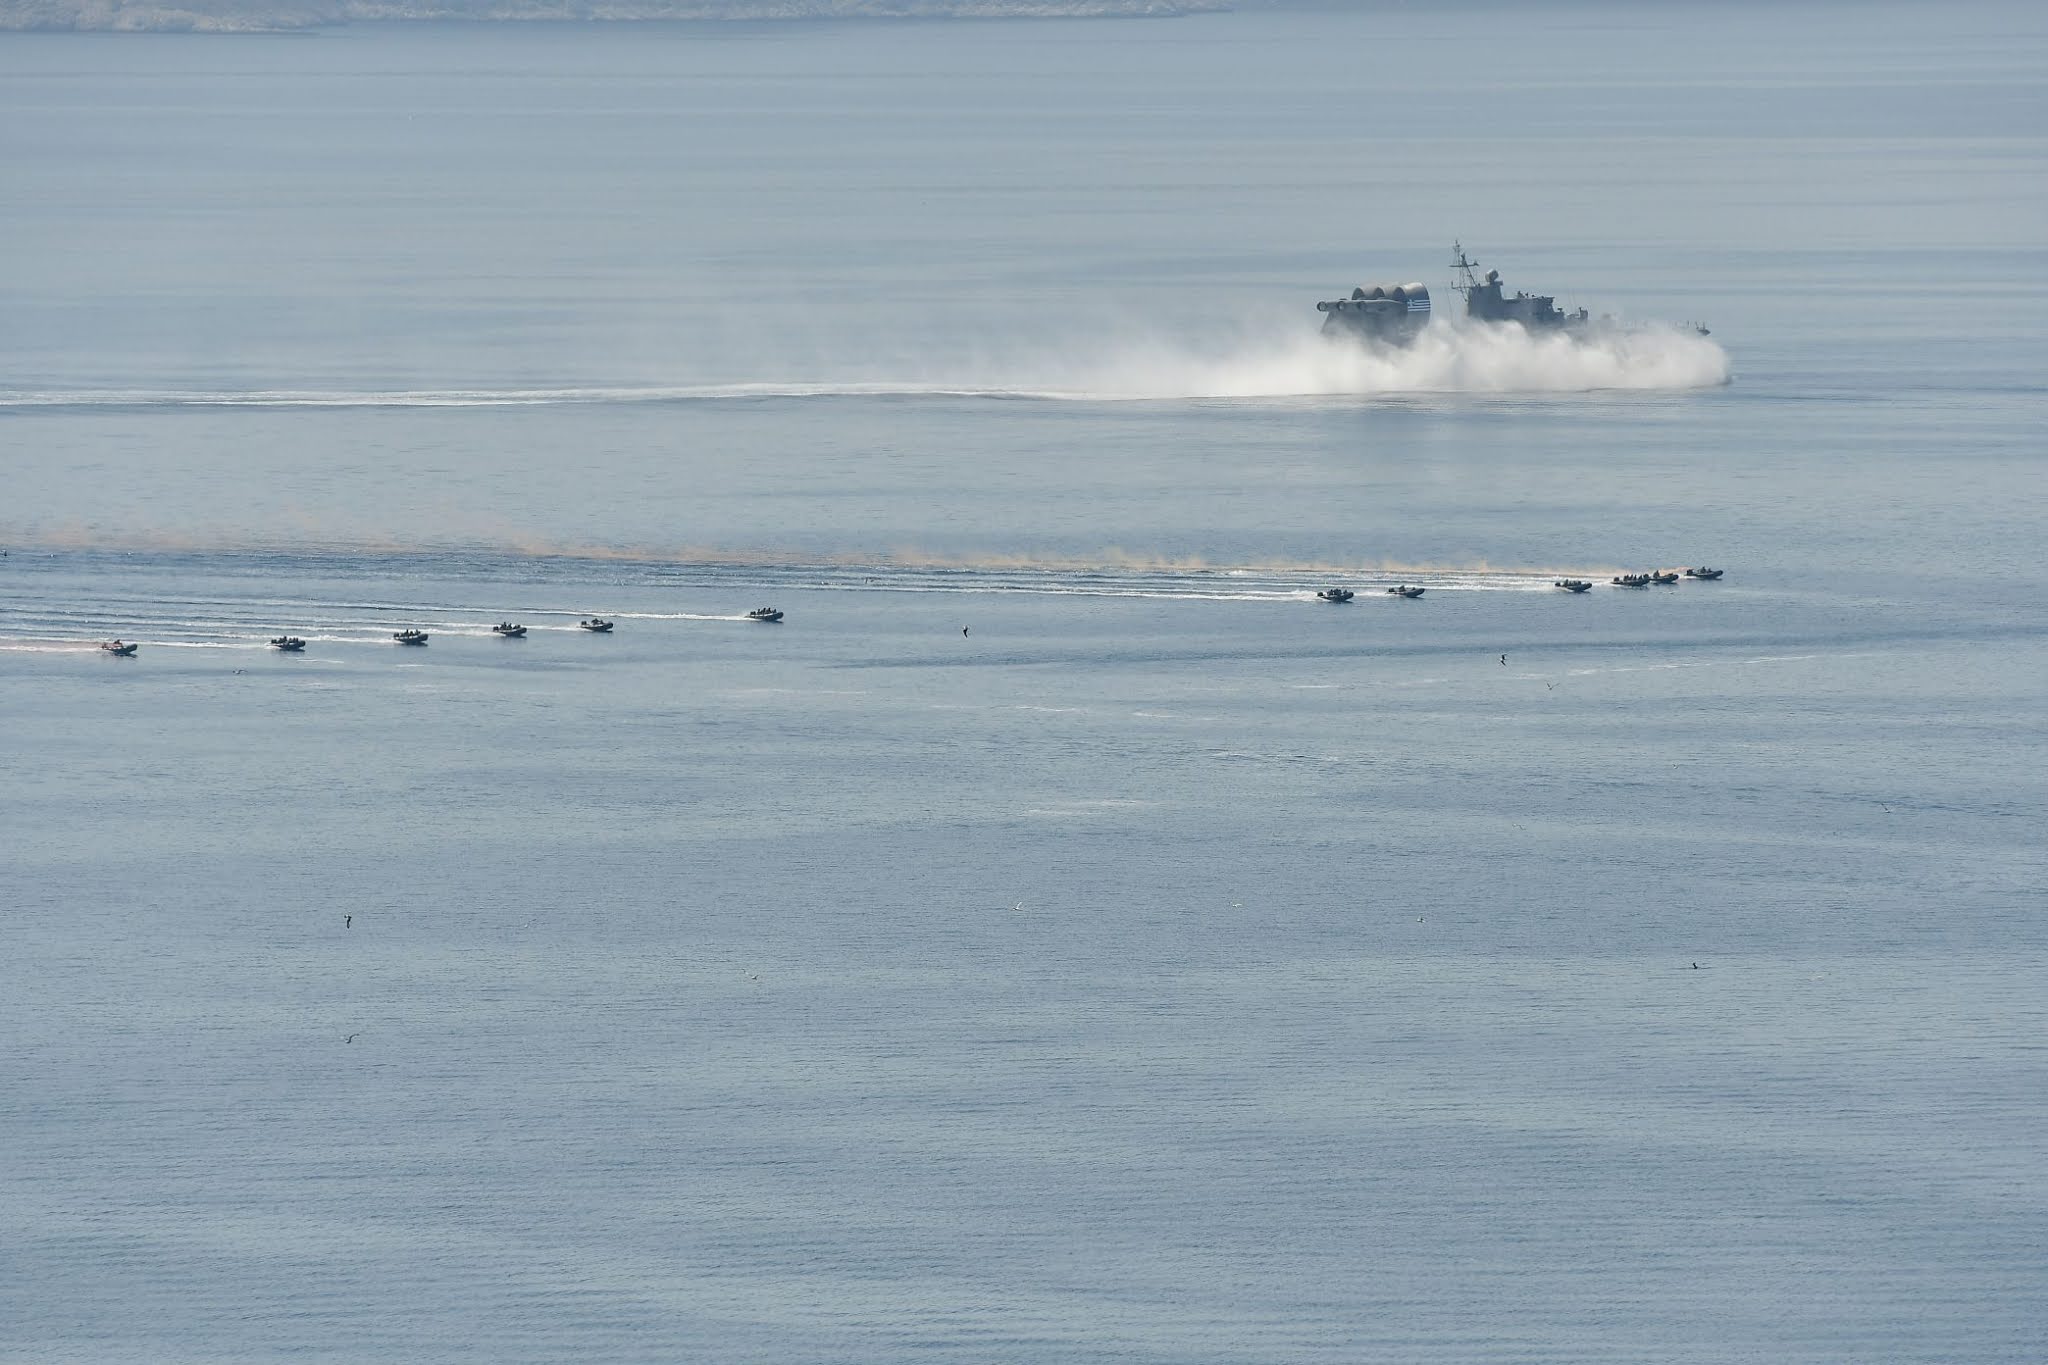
(1395, 314)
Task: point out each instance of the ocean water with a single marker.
(1062, 938)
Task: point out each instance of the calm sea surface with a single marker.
(1062, 938)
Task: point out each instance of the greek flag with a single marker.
(1418, 305)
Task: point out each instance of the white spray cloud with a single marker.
(1444, 359)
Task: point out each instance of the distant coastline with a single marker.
(281, 16)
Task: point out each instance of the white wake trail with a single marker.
(1445, 360)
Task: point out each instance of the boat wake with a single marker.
(474, 398)
(1444, 361)
(243, 613)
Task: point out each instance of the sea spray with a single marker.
(1445, 359)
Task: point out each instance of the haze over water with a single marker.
(1063, 937)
